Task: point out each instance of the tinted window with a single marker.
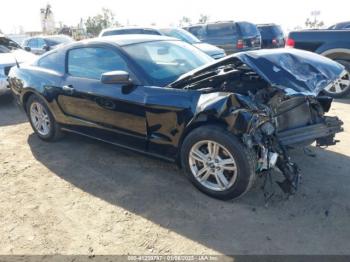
(91, 62)
(164, 61)
(248, 29)
(51, 61)
(222, 29)
(197, 31)
(7, 45)
(182, 35)
(55, 40)
(41, 43)
(33, 43)
(270, 31)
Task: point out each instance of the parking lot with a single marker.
(85, 197)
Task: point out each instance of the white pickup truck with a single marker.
(10, 52)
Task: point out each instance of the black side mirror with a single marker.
(116, 77)
(27, 48)
(46, 47)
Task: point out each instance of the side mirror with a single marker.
(27, 48)
(46, 47)
(116, 77)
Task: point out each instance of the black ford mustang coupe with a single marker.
(222, 121)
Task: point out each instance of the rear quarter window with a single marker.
(248, 29)
(226, 29)
(53, 62)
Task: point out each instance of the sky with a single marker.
(289, 14)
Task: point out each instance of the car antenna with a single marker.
(17, 64)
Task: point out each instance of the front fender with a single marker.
(233, 110)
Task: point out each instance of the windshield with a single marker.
(7, 45)
(55, 40)
(164, 61)
(182, 35)
(248, 29)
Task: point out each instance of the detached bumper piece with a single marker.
(323, 133)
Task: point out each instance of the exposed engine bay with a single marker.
(273, 103)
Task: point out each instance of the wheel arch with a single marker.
(191, 127)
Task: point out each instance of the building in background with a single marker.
(47, 20)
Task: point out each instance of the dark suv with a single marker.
(272, 36)
(231, 36)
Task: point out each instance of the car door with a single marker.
(109, 111)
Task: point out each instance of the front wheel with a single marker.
(217, 163)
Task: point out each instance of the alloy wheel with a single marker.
(40, 118)
(212, 165)
(340, 85)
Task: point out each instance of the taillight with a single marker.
(290, 42)
(240, 44)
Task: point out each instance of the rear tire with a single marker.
(340, 91)
(42, 120)
(228, 174)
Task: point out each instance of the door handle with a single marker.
(68, 89)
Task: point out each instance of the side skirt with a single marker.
(120, 145)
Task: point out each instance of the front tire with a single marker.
(217, 163)
(42, 120)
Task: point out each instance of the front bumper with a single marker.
(323, 133)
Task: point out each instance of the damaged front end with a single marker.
(273, 101)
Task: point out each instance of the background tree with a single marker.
(314, 23)
(184, 21)
(203, 18)
(95, 24)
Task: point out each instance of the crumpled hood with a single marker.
(292, 70)
(19, 55)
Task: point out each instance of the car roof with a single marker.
(263, 25)
(126, 28)
(124, 40)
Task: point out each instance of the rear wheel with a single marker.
(217, 163)
(42, 120)
(342, 87)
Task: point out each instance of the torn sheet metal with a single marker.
(295, 71)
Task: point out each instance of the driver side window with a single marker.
(92, 62)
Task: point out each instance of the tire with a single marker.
(229, 146)
(344, 91)
(53, 131)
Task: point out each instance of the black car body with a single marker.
(251, 105)
(178, 33)
(272, 36)
(334, 44)
(231, 36)
(41, 44)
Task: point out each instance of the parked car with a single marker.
(223, 121)
(340, 26)
(41, 44)
(334, 44)
(178, 33)
(272, 36)
(231, 36)
(10, 53)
